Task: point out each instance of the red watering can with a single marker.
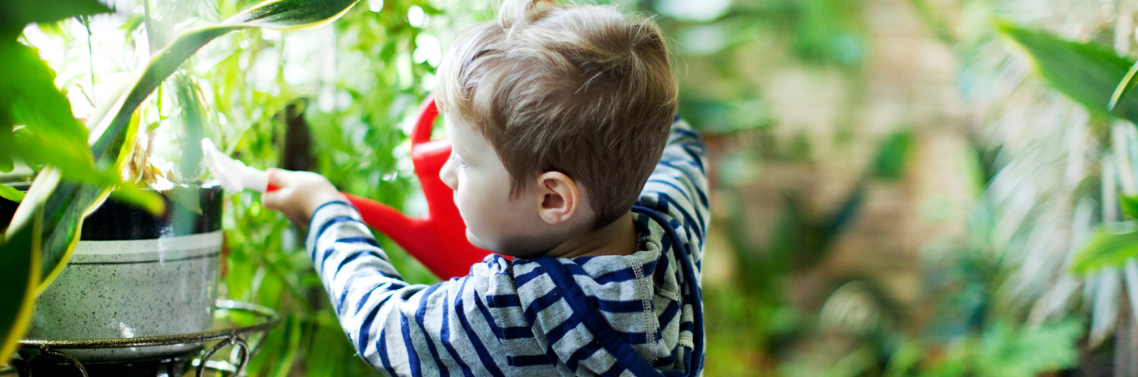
(438, 239)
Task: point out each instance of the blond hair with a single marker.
(582, 90)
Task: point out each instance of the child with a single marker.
(558, 116)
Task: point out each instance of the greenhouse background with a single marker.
(898, 187)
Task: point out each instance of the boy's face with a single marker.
(494, 220)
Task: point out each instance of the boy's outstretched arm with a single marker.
(678, 187)
(400, 329)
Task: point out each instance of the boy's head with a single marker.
(583, 91)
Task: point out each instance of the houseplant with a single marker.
(45, 228)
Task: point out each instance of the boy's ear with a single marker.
(560, 197)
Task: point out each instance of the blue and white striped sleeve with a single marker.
(403, 329)
(678, 187)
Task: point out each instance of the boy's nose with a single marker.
(447, 174)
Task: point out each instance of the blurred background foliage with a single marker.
(894, 192)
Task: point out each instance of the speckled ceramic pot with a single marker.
(134, 274)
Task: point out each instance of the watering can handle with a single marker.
(428, 112)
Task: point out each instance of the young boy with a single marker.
(566, 157)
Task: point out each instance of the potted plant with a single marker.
(76, 180)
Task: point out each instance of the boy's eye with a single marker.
(457, 160)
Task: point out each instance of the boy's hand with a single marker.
(298, 194)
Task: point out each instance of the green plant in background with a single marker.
(1059, 171)
(1004, 350)
(721, 46)
(711, 38)
(972, 334)
(1098, 79)
(1088, 73)
(755, 323)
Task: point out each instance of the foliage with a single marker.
(12, 194)
(1108, 248)
(20, 273)
(893, 159)
(974, 332)
(28, 98)
(114, 137)
(1097, 78)
(31, 100)
(115, 129)
(1129, 205)
(1086, 72)
(712, 37)
(1009, 350)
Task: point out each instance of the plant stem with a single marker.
(90, 58)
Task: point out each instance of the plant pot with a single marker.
(135, 275)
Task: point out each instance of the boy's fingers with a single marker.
(271, 200)
(275, 177)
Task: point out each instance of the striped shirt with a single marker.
(631, 314)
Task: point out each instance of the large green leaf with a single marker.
(7, 192)
(15, 14)
(1086, 72)
(30, 99)
(291, 14)
(19, 274)
(1108, 248)
(113, 134)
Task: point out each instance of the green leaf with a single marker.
(193, 119)
(1129, 205)
(1086, 72)
(1124, 87)
(893, 155)
(292, 14)
(293, 332)
(63, 218)
(15, 14)
(31, 99)
(277, 14)
(7, 192)
(140, 197)
(1108, 248)
(1028, 351)
(19, 274)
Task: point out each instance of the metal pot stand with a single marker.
(47, 357)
